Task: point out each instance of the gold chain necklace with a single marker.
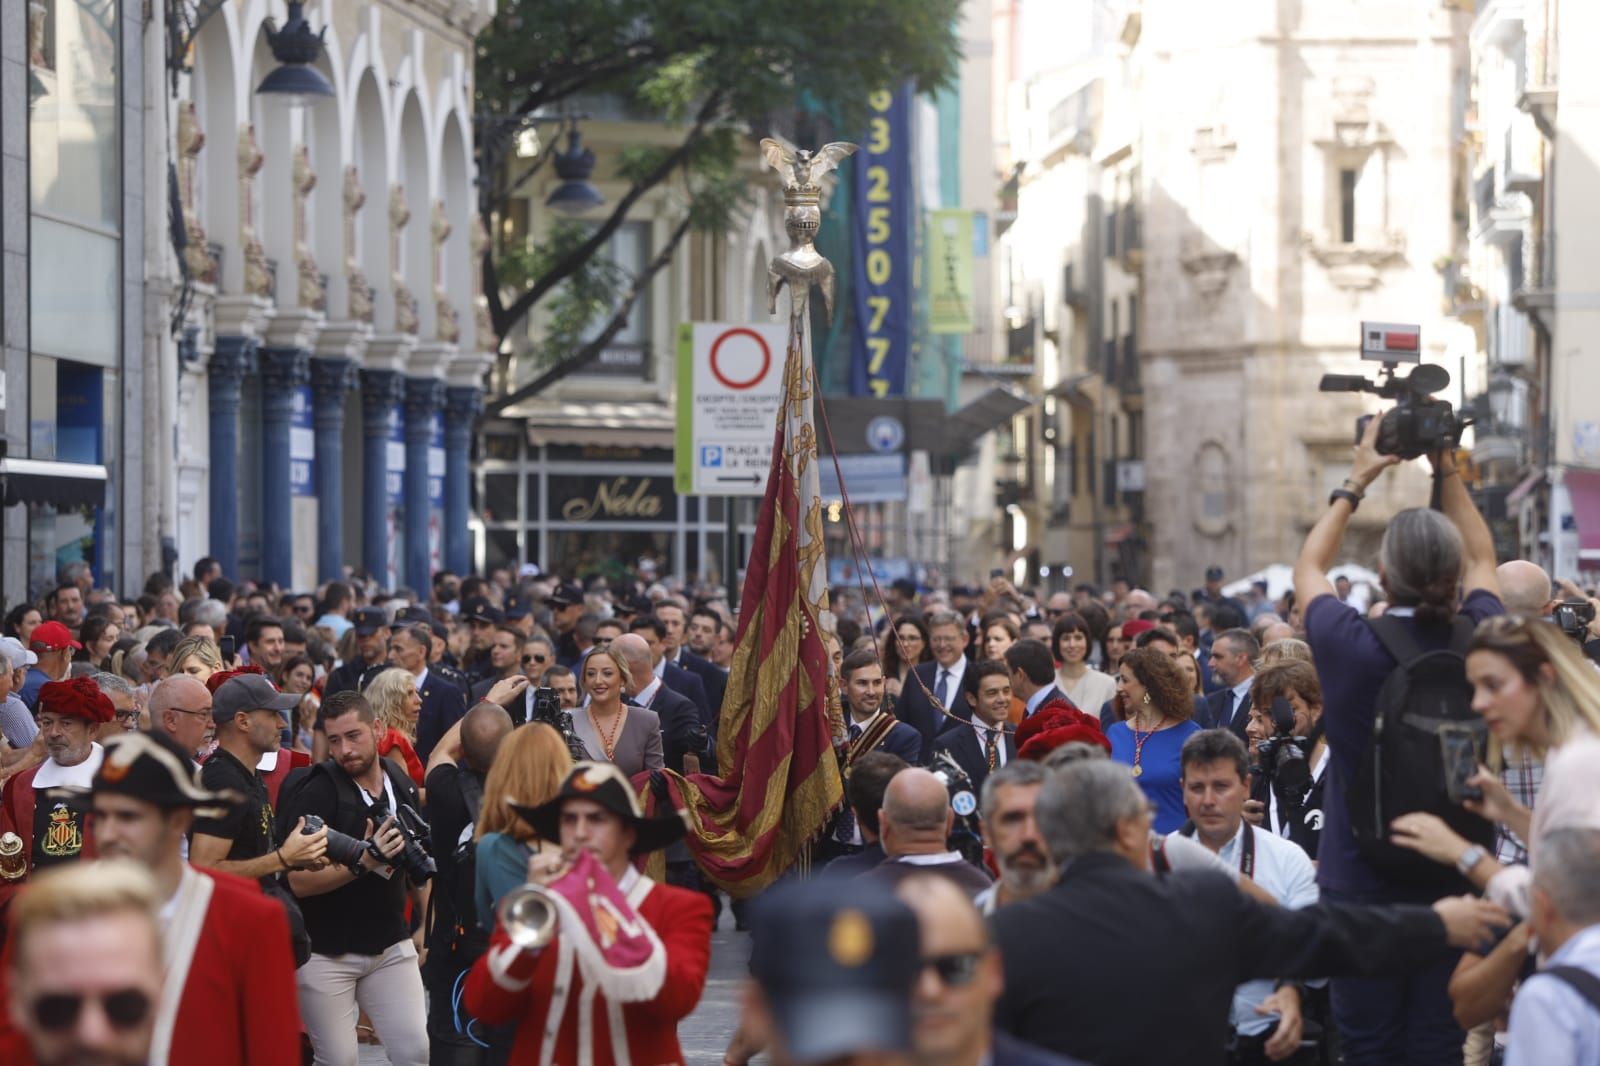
(608, 742)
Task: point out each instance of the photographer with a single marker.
(355, 908)
(1291, 753)
(1425, 558)
(456, 784)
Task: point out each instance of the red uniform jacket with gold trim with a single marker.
(594, 1032)
(18, 802)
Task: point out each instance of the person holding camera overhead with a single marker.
(362, 951)
(1425, 557)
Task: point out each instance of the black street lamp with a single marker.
(575, 195)
(296, 48)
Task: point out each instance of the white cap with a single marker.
(19, 657)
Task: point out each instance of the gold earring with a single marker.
(1146, 697)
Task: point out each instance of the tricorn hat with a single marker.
(603, 783)
(153, 768)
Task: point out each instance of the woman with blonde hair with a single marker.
(1538, 695)
(199, 657)
(1288, 649)
(394, 698)
(527, 770)
(610, 729)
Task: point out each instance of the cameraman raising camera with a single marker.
(1291, 753)
(361, 948)
(1425, 557)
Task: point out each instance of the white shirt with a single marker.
(648, 694)
(952, 692)
(1036, 700)
(983, 732)
(1283, 869)
(53, 775)
(1241, 698)
(422, 678)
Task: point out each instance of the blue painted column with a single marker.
(232, 359)
(282, 371)
(424, 398)
(462, 405)
(331, 379)
(380, 392)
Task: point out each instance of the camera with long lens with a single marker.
(343, 849)
(1418, 424)
(1573, 618)
(1283, 757)
(415, 858)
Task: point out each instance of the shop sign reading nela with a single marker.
(730, 385)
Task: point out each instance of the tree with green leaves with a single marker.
(724, 72)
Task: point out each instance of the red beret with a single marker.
(216, 680)
(1054, 724)
(76, 698)
(1135, 627)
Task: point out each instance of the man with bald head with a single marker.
(457, 770)
(952, 1002)
(1525, 588)
(682, 734)
(180, 707)
(914, 827)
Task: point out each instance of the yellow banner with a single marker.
(950, 286)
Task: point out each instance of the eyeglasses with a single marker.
(601, 642)
(128, 716)
(955, 971)
(526, 659)
(192, 714)
(124, 1009)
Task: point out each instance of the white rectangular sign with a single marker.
(730, 383)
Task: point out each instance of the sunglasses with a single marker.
(125, 1009)
(526, 659)
(955, 971)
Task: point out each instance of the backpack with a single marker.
(1424, 703)
(468, 939)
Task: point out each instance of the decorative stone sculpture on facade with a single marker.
(310, 292)
(360, 298)
(406, 319)
(257, 272)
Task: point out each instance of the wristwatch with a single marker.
(1470, 859)
(1344, 494)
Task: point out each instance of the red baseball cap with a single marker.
(52, 636)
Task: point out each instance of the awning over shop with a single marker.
(988, 412)
(1525, 486)
(1583, 488)
(60, 485)
(617, 425)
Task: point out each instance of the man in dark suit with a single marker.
(947, 633)
(1033, 676)
(372, 649)
(442, 703)
(652, 631)
(868, 778)
(984, 744)
(953, 1017)
(505, 655)
(674, 635)
(1069, 960)
(870, 729)
(681, 732)
(1233, 656)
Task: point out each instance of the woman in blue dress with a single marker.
(1157, 709)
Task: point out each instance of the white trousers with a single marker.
(388, 987)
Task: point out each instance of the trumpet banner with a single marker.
(780, 780)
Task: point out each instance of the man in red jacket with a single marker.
(629, 957)
(230, 988)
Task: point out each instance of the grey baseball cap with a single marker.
(250, 692)
(19, 657)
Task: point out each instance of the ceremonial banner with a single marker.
(950, 288)
(881, 246)
(780, 715)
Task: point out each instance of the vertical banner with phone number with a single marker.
(882, 248)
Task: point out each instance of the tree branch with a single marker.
(619, 318)
(575, 259)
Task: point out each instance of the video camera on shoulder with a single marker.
(1418, 424)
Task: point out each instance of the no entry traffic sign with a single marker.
(730, 385)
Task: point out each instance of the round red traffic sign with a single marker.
(736, 382)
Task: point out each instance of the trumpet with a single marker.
(529, 916)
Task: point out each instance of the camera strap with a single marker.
(1247, 847)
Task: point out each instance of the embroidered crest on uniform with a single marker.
(63, 837)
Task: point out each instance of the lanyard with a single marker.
(1247, 847)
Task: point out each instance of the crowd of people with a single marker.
(1100, 826)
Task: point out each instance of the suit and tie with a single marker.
(678, 716)
(1007, 1050)
(1224, 709)
(442, 706)
(901, 740)
(960, 739)
(917, 711)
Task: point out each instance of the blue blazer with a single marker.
(1216, 713)
(901, 740)
(917, 710)
(1007, 1050)
(442, 706)
(961, 741)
